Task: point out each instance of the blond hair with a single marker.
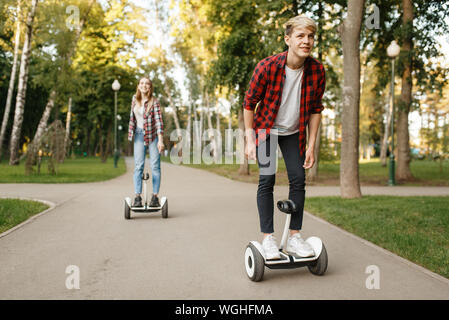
(300, 21)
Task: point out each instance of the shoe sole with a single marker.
(275, 257)
(308, 255)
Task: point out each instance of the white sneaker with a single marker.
(296, 245)
(270, 247)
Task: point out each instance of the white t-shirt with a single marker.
(287, 119)
(138, 111)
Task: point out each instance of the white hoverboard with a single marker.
(255, 260)
(146, 205)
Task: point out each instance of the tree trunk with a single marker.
(403, 148)
(88, 142)
(189, 125)
(67, 125)
(244, 167)
(349, 165)
(219, 144)
(172, 105)
(22, 87)
(312, 175)
(42, 124)
(384, 147)
(201, 120)
(106, 151)
(12, 81)
(213, 139)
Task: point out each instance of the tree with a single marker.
(239, 50)
(105, 52)
(67, 55)
(12, 80)
(415, 25)
(350, 35)
(22, 86)
(403, 147)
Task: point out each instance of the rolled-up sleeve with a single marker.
(318, 105)
(132, 121)
(158, 118)
(257, 87)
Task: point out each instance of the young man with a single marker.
(284, 97)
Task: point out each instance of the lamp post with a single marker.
(392, 51)
(115, 87)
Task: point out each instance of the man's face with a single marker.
(300, 42)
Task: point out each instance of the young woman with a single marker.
(147, 128)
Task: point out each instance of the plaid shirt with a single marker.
(152, 121)
(266, 87)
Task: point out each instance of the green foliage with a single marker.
(429, 22)
(239, 48)
(73, 170)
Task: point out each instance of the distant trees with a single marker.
(61, 65)
(218, 44)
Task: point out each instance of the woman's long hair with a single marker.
(139, 94)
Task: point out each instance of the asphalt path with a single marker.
(197, 253)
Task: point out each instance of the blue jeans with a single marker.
(140, 151)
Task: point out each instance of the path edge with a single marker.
(30, 219)
(409, 263)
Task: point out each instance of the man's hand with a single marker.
(250, 149)
(310, 158)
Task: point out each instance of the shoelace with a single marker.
(270, 243)
(297, 240)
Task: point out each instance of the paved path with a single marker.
(197, 253)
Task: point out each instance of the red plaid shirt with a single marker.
(266, 87)
(152, 121)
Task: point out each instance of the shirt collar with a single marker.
(282, 60)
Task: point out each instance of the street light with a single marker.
(392, 51)
(115, 87)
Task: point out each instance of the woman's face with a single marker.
(144, 86)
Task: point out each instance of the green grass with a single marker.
(415, 228)
(76, 170)
(14, 211)
(425, 172)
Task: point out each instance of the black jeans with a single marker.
(266, 159)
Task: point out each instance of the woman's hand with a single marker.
(160, 146)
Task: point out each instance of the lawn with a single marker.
(76, 170)
(415, 228)
(425, 172)
(14, 211)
